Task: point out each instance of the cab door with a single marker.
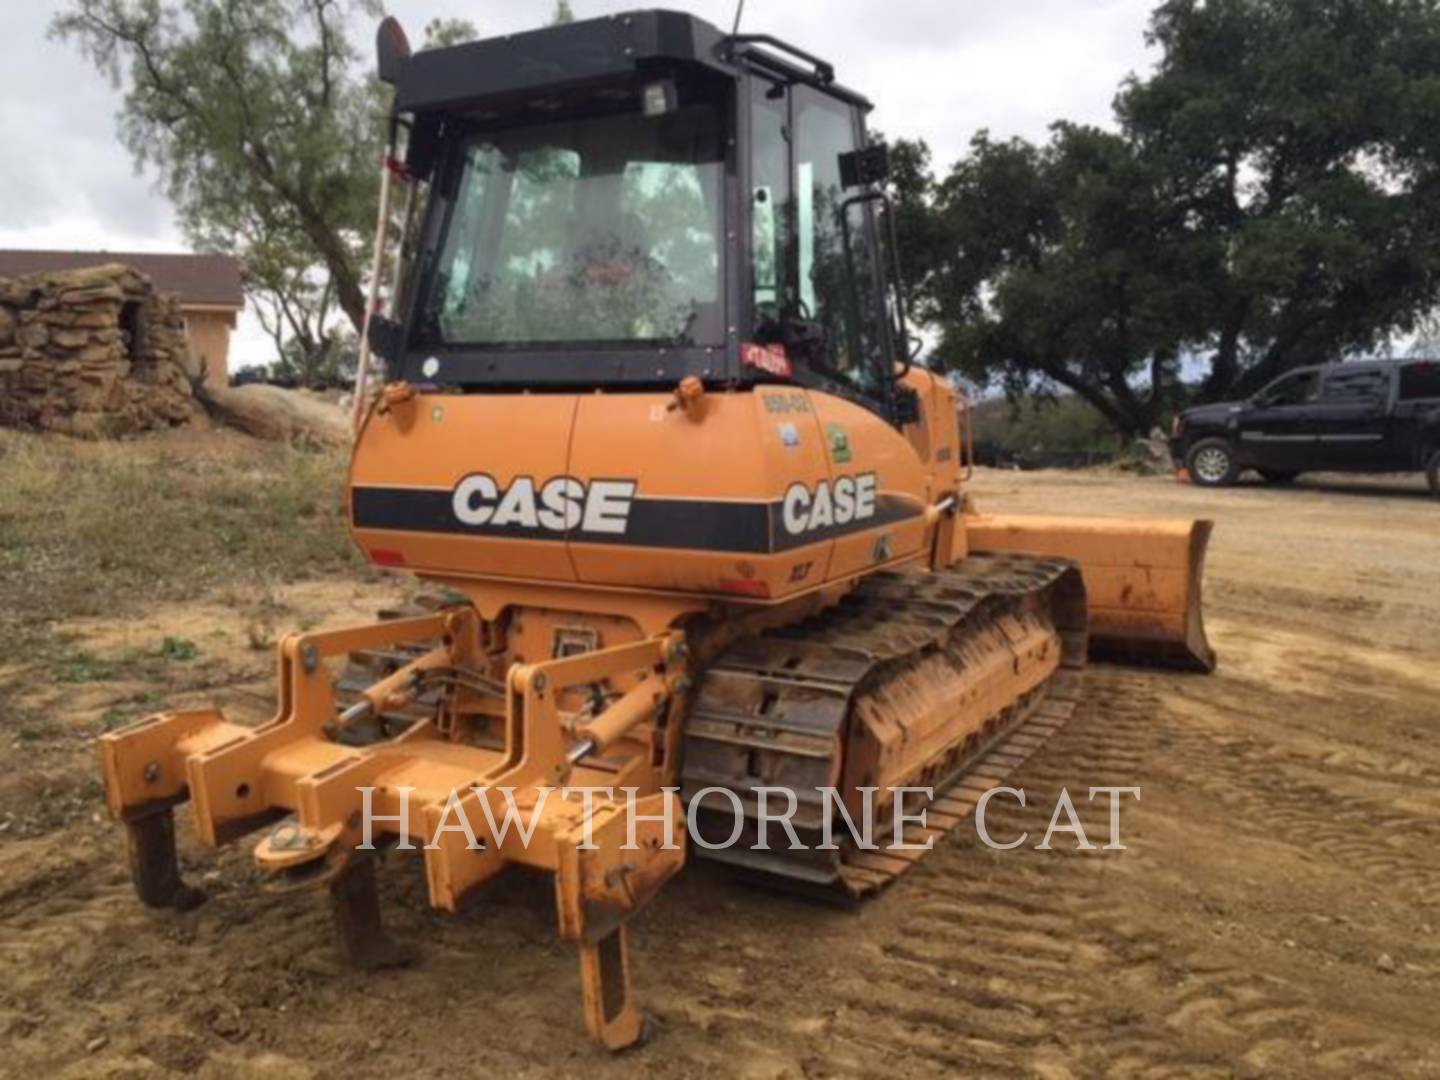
(818, 261)
(1351, 417)
(1276, 427)
(818, 284)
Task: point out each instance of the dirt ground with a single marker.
(1275, 911)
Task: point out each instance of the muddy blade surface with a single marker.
(947, 681)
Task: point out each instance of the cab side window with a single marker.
(846, 307)
(770, 196)
(1367, 387)
(1420, 381)
(816, 278)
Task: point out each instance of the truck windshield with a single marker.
(604, 229)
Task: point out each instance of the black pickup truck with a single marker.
(1372, 416)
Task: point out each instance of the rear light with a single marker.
(387, 557)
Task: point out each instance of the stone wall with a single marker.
(93, 352)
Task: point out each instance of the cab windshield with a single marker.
(605, 229)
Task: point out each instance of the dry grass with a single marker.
(97, 528)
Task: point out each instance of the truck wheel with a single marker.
(1432, 472)
(1211, 463)
(1273, 476)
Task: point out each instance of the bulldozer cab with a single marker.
(629, 201)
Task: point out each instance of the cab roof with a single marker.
(604, 50)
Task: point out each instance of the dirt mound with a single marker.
(272, 412)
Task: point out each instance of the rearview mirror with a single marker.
(386, 338)
(392, 50)
(868, 165)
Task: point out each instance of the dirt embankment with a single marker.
(1275, 912)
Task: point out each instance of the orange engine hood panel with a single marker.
(737, 494)
(409, 466)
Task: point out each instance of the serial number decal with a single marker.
(849, 499)
(558, 505)
(794, 402)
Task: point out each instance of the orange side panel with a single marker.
(751, 496)
(860, 444)
(936, 436)
(739, 450)
(433, 443)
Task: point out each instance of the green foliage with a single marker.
(1044, 266)
(265, 124)
(182, 649)
(114, 718)
(1038, 429)
(130, 709)
(80, 666)
(261, 122)
(1270, 199)
(1303, 136)
(562, 14)
(327, 365)
(442, 33)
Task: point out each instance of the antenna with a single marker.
(739, 11)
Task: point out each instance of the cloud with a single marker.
(935, 69)
(64, 172)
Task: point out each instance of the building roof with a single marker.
(196, 279)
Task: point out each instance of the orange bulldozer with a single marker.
(708, 574)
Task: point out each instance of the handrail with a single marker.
(824, 70)
(968, 436)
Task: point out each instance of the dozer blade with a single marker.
(1142, 579)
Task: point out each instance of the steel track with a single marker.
(780, 710)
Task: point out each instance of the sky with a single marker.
(936, 69)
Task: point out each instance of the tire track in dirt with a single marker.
(1301, 801)
(1123, 743)
(1024, 963)
(1031, 962)
(992, 959)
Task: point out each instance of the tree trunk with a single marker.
(346, 277)
(1225, 367)
(1130, 423)
(1139, 416)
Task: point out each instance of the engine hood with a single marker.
(1218, 412)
